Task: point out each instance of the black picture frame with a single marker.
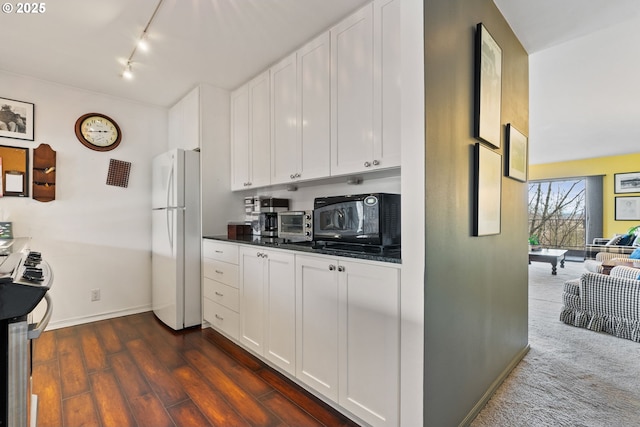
(628, 182)
(16, 119)
(627, 208)
(487, 191)
(488, 88)
(517, 154)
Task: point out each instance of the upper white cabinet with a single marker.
(184, 122)
(366, 90)
(387, 93)
(331, 108)
(300, 108)
(352, 93)
(250, 134)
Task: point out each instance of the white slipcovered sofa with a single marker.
(604, 303)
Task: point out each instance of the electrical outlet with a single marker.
(95, 294)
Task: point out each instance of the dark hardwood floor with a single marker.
(134, 371)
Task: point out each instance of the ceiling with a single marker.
(86, 43)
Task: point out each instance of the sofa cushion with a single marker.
(615, 240)
(627, 240)
(635, 254)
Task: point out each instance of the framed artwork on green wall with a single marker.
(487, 191)
(488, 88)
(516, 154)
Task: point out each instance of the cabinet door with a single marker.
(314, 108)
(317, 324)
(369, 342)
(280, 319)
(285, 153)
(260, 131)
(388, 87)
(251, 299)
(240, 138)
(352, 93)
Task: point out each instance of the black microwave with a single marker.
(370, 219)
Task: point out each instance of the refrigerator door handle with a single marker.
(170, 228)
(170, 185)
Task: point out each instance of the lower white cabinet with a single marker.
(267, 305)
(348, 335)
(220, 301)
(331, 322)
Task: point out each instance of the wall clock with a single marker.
(98, 132)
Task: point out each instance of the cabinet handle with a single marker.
(219, 252)
(332, 267)
(219, 272)
(298, 175)
(376, 162)
(367, 164)
(219, 317)
(219, 294)
(292, 176)
(340, 268)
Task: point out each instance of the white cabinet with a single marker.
(250, 134)
(184, 122)
(220, 302)
(300, 112)
(348, 334)
(267, 305)
(284, 124)
(365, 90)
(317, 324)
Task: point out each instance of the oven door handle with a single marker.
(36, 329)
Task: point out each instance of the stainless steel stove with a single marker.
(25, 279)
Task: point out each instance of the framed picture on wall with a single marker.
(487, 191)
(488, 88)
(627, 208)
(626, 182)
(16, 119)
(516, 154)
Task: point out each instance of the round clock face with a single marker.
(98, 132)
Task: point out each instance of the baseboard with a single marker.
(494, 386)
(96, 317)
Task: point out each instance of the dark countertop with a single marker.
(392, 256)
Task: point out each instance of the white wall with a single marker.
(93, 235)
(584, 96)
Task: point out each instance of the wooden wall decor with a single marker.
(13, 173)
(44, 173)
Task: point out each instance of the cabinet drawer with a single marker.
(221, 318)
(221, 294)
(226, 252)
(220, 271)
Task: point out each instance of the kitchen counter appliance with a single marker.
(295, 226)
(363, 219)
(25, 280)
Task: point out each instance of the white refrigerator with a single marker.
(176, 238)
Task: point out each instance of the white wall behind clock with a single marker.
(93, 235)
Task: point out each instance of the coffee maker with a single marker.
(265, 220)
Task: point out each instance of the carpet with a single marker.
(571, 376)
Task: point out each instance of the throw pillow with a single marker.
(614, 240)
(636, 242)
(626, 240)
(635, 254)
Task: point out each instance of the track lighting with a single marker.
(127, 73)
(142, 44)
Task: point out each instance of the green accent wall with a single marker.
(605, 166)
(476, 302)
